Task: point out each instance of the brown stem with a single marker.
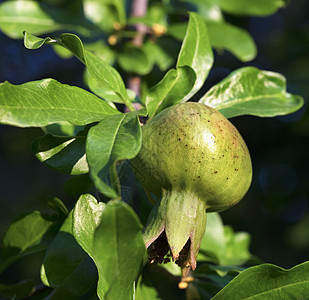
(138, 9)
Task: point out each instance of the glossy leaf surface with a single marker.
(87, 217)
(118, 247)
(63, 154)
(114, 138)
(172, 89)
(250, 91)
(102, 72)
(268, 281)
(232, 38)
(43, 102)
(196, 52)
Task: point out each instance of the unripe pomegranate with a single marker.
(197, 161)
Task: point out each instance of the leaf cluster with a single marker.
(96, 250)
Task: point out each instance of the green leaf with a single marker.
(172, 89)
(87, 216)
(66, 264)
(62, 129)
(18, 242)
(119, 251)
(133, 59)
(114, 138)
(63, 154)
(58, 206)
(232, 38)
(250, 91)
(221, 245)
(105, 75)
(43, 102)
(268, 282)
(253, 7)
(20, 290)
(196, 52)
(17, 16)
(105, 93)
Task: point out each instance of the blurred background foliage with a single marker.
(275, 210)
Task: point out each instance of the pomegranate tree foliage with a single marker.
(96, 250)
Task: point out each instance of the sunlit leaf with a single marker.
(172, 89)
(43, 102)
(63, 154)
(113, 139)
(105, 75)
(250, 91)
(232, 38)
(118, 247)
(196, 52)
(87, 217)
(268, 282)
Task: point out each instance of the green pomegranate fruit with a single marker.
(197, 161)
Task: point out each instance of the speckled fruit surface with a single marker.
(197, 160)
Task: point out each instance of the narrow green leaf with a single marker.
(250, 91)
(114, 138)
(196, 52)
(232, 38)
(268, 281)
(105, 93)
(63, 154)
(18, 242)
(172, 89)
(87, 216)
(119, 251)
(20, 290)
(108, 77)
(66, 264)
(253, 7)
(43, 102)
(105, 75)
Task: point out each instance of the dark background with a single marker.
(275, 210)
